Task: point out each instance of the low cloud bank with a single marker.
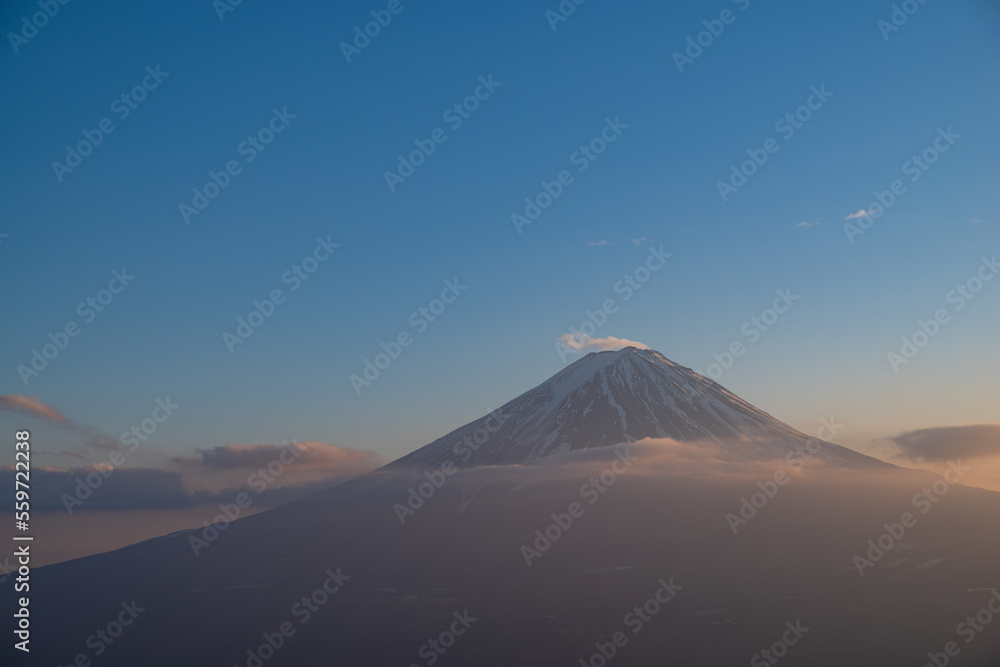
(948, 442)
(272, 474)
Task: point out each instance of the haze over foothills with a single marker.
(626, 508)
(230, 229)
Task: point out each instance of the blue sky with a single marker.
(323, 176)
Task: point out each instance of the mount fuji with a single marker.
(612, 397)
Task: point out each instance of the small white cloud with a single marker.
(862, 213)
(638, 241)
(582, 342)
(808, 223)
(597, 243)
(975, 220)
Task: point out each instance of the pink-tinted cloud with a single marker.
(30, 405)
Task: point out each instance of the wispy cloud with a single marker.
(95, 447)
(975, 221)
(638, 241)
(862, 213)
(30, 405)
(808, 223)
(597, 243)
(583, 343)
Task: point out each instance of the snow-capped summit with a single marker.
(607, 398)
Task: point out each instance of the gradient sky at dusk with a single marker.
(323, 176)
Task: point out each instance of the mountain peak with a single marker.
(643, 353)
(611, 397)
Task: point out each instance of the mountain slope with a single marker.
(608, 398)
